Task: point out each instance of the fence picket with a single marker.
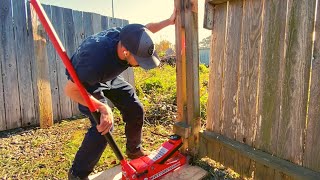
(24, 57)
(311, 157)
(52, 60)
(96, 23)
(70, 45)
(2, 105)
(272, 59)
(58, 23)
(216, 69)
(9, 67)
(296, 76)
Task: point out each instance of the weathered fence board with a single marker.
(96, 23)
(231, 68)
(23, 57)
(87, 24)
(22, 104)
(104, 22)
(9, 67)
(249, 70)
(248, 80)
(311, 157)
(216, 69)
(58, 23)
(259, 92)
(52, 60)
(42, 73)
(69, 37)
(2, 105)
(79, 37)
(296, 80)
(273, 33)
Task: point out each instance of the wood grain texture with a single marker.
(249, 71)
(52, 60)
(59, 25)
(192, 72)
(3, 122)
(9, 67)
(180, 63)
(70, 45)
(214, 109)
(270, 79)
(231, 69)
(42, 73)
(24, 58)
(311, 157)
(296, 76)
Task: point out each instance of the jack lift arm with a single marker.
(166, 159)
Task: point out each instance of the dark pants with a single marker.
(123, 96)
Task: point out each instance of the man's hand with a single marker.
(172, 18)
(106, 119)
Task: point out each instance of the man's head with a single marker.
(138, 42)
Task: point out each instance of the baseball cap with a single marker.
(137, 39)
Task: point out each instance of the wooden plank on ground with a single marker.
(183, 173)
(42, 73)
(9, 67)
(272, 59)
(295, 86)
(292, 170)
(311, 157)
(70, 45)
(53, 61)
(58, 24)
(24, 58)
(214, 110)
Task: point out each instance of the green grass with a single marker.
(48, 153)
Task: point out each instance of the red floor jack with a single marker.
(166, 159)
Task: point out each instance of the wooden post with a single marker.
(42, 74)
(187, 53)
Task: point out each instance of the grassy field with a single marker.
(35, 153)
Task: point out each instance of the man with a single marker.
(98, 61)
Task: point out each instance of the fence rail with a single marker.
(264, 82)
(29, 64)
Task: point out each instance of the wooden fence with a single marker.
(264, 88)
(32, 74)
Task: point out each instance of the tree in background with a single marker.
(163, 47)
(205, 43)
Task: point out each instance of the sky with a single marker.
(136, 11)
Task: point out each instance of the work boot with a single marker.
(73, 177)
(139, 153)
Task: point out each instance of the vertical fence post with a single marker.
(42, 74)
(187, 53)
